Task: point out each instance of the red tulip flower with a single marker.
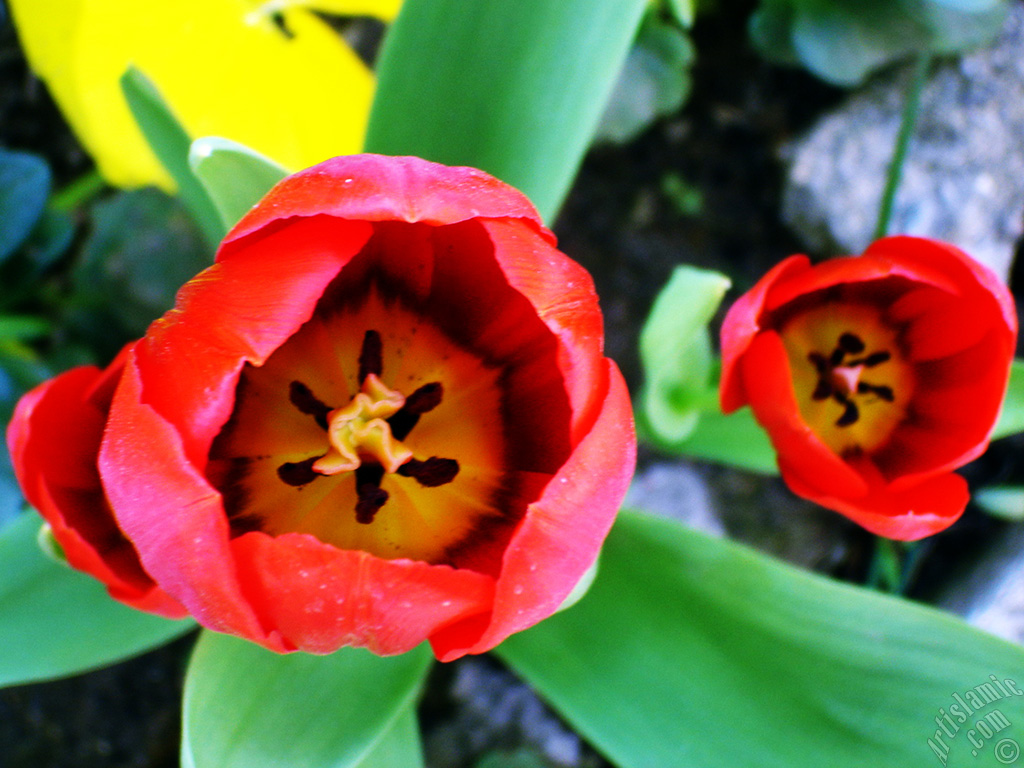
(382, 416)
(875, 377)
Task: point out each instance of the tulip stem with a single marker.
(893, 565)
(922, 67)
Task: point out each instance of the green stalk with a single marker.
(910, 110)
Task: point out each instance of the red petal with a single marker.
(562, 292)
(801, 453)
(171, 514)
(930, 506)
(54, 438)
(237, 311)
(743, 322)
(561, 535)
(379, 188)
(320, 598)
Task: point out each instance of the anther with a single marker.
(424, 399)
(851, 343)
(302, 397)
(370, 496)
(432, 472)
(298, 473)
(850, 415)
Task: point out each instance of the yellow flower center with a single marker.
(852, 383)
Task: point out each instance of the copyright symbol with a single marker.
(1007, 751)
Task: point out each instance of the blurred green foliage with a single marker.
(844, 41)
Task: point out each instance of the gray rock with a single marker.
(675, 490)
(991, 596)
(963, 181)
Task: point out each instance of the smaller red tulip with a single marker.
(875, 377)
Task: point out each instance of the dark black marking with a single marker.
(371, 356)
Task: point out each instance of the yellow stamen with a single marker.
(360, 430)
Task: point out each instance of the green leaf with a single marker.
(736, 439)
(513, 88)
(170, 143)
(234, 176)
(1005, 502)
(654, 82)
(399, 747)
(683, 11)
(675, 352)
(55, 621)
(843, 41)
(297, 710)
(694, 651)
(1011, 417)
(140, 250)
(24, 187)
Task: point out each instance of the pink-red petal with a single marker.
(560, 536)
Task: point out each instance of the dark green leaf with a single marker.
(843, 41)
(24, 187)
(654, 82)
(246, 707)
(234, 176)
(170, 143)
(142, 247)
(514, 88)
(55, 621)
(693, 651)
(1011, 418)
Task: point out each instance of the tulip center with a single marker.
(851, 381)
(365, 436)
(385, 425)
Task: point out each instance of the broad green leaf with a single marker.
(843, 41)
(1006, 502)
(694, 651)
(654, 81)
(246, 707)
(399, 747)
(736, 439)
(514, 88)
(55, 621)
(24, 187)
(170, 143)
(1011, 417)
(234, 176)
(675, 352)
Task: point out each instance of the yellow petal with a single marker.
(298, 97)
(386, 10)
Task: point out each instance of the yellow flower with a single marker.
(292, 91)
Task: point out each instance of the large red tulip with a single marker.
(382, 417)
(875, 377)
